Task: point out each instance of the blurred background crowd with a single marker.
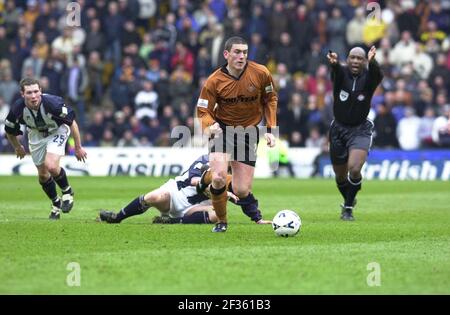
(133, 69)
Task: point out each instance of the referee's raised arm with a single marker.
(375, 73)
(335, 66)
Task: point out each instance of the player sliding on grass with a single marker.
(179, 201)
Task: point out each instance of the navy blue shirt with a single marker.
(195, 170)
(51, 114)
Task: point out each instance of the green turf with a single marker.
(402, 226)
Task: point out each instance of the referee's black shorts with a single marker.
(344, 138)
(241, 143)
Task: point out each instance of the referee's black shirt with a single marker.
(352, 95)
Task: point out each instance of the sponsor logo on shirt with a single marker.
(238, 99)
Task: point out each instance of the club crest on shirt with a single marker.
(343, 96)
(361, 97)
(64, 111)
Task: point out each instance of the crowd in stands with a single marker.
(132, 69)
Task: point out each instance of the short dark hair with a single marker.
(234, 40)
(28, 81)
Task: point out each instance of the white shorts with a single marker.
(55, 143)
(179, 203)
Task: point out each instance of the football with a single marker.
(286, 223)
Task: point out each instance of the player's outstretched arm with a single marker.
(18, 148)
(80, 153)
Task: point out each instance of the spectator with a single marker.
(385, 126)
(258, 50)
(426, 128)
(408, 130)
(440, 132)
(180, 87)
(147, 46)
(129, 34)
(302, 29)
(113, 29)
(41, 45)
(336, 26)
(285, 52)
(95, 68)
(97, 127)
(182, 56)
(9, 88)
(283, 82)
(4, 110)
(354, 29)
(128, 140)
(95, 39)
(278, 23)
(315, 138)
(404, 51)
(4, 42)
(107, 139)
(33, 62)
(74, 84)
(146, 101)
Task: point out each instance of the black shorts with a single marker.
(343, 138)
(241, 143)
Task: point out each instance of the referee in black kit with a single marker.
(351, 131)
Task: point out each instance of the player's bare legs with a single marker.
(52, 164)
(218, 162)
(356, 160)
(158, 198)
(242, 178)
(49, 187)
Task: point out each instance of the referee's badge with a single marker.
(343, 96)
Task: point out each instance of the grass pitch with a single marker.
(402, 227)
